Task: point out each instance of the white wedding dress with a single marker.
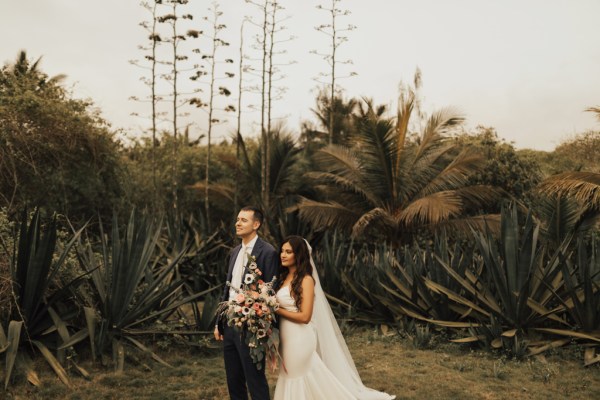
(317, 364)
(305, 376)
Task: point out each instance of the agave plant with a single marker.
(582, 297)
(416, 284)
(132, 287)
(332, 255)
(200, 268)
(519, 277)
(391, 187)
(581, 294)
(33, 271)
(587, 277)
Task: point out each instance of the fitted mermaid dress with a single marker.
(303, 375)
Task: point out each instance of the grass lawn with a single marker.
(388, 363)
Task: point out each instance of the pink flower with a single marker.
(239, 298)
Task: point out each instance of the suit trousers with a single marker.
(241, 370)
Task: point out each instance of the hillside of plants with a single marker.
(419, 225)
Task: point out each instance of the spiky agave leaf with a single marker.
(3, 340)
(53, 362)
(13, 339)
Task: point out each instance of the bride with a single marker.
(316, 362)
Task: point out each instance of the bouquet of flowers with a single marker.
(252, 312)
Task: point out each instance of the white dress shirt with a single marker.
(238, 268)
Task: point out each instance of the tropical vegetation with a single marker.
(418, 226)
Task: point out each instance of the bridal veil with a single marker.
(332, 347)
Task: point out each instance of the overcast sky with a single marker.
(528, 68)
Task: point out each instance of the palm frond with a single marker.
(377, 145)
(479, 223)
(341, 165)
(338, 160)
(456, 173)
(217, 192)
(406, 104)
(326, 214)
(432, 209)
(370, 218)
(438, 124)
(584, 186)
(342, 183)
(416, 174)
(283, 164)
(589, 223)
(477, 197)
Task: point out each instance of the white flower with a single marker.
(248, 279)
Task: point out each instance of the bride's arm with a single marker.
(304, 314)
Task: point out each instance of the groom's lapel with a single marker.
(258, 246)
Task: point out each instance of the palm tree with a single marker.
(285, 182)
(336, 116)
(23, 68)
(388, 184)
(285, 172)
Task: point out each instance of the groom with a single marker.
(240, 369)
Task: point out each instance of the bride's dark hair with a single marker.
(303, 266)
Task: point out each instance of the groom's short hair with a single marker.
(258, 214)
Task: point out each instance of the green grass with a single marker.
(390, 363)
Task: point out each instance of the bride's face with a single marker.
(287, 256)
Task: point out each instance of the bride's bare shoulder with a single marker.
(308, 280)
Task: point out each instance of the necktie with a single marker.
(244, 261)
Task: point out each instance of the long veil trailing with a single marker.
(332, 347)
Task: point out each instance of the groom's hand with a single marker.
(218, 335)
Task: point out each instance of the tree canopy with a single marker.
(55, 151)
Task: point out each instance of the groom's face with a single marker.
(246, 225)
